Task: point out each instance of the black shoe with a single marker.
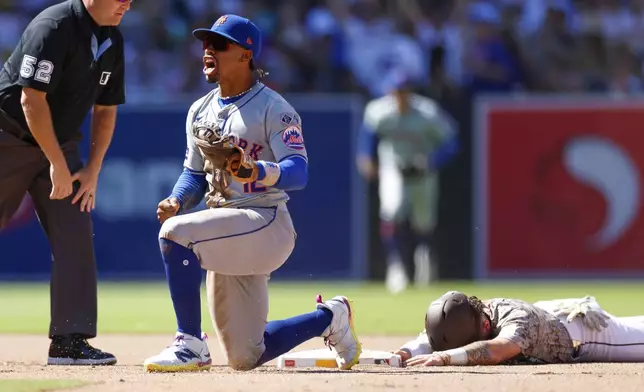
(74, 350)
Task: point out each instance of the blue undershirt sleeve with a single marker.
(367, 142)
(293, 172)
(190, 189)
(444, 153)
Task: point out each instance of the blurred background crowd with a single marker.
(453, 49)
(450, 46)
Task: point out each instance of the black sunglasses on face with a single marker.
(217, 43)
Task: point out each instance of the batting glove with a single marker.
(592, 316)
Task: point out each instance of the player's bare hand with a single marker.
(88, 178)
(61, 181)
(167, 209)
(426, 360)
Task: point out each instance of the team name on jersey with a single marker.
(252, 149)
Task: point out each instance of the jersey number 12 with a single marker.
(253, 187)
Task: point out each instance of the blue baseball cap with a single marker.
(240, 30)
(482, 12)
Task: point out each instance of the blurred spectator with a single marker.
(353, 45)
(491, 66)
(554, 51)
(442, 41)
(625, 75)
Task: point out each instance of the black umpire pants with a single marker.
(24, 168)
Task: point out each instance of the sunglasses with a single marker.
(217, 43)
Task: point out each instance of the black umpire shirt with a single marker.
(64, 53)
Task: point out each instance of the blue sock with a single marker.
(280, 336)
(392, 249)
(184, 282)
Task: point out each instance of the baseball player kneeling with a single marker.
(245, 151)
(462, 330)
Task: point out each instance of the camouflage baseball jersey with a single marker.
(263, 123)
(410, 136)
(539, 334)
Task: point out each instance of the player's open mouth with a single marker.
(210, 65)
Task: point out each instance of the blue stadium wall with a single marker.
(143, 163)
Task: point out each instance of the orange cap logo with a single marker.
(221, 20)
(249, 41)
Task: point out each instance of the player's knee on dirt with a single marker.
(176, 229)
(243, 359)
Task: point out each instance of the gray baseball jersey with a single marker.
(406, 141)
(411, 135)
(263, 123)
(240, 247)
(539, 334)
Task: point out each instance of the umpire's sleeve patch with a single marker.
(292, 138)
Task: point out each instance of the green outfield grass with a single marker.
(38, 385)
(146, 307)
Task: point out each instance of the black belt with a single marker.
(11, 126)
(411, 172)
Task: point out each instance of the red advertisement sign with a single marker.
(560, 189)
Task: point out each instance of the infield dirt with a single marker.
(24, 357)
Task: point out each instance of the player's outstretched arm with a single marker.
(486, 352)
(418, 346)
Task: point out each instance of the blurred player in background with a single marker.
(411, 137)
(462, 330)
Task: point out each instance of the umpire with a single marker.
(69, 61)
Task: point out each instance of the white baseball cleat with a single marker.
(186, 354)
(341, 335)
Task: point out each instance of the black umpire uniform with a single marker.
(65, 54)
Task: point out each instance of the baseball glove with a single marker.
(218, 150)
(242, 167)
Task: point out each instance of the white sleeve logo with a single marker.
(43, 73)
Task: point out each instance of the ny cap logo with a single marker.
(221, 21)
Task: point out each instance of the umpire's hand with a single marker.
(167, 209)
(88, 178)
(61, 181)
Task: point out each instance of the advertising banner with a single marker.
(559, 188)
